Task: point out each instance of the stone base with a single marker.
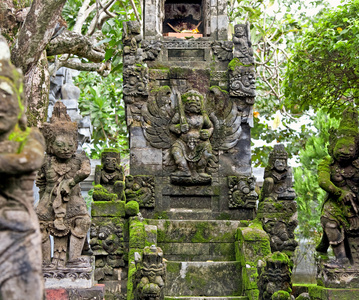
(69, 278)
(96, 292)
(338, 278)
(322, 293)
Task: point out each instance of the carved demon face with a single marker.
(239, 31)
(345, 149)
(109, 163)
(193, 102)
(280, 164)
(243, 82)
(64, 146)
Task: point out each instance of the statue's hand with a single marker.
(184, 128)
(347, 196)
(66, 187)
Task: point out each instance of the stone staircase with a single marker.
(201, 260)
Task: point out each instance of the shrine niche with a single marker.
(184, 17)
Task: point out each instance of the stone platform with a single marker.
(94, 293)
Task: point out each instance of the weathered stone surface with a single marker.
(21, 154)
(191, 231)
(203, 278)
(108, 209)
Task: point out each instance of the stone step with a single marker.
(196, 240)
(203, 279)
(195, 231)
(207, 298)
(198, 251)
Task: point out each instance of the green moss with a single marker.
(173, 267)
(137, 233)
(279, 256)
(161, 215)
(234, 63)
(162, 89)
(132, 208)
(281, 295)
(108, 209)
(101, 194)
(219, 88)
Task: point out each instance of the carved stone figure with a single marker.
(110, 176)
(190, 133)
(242, 44)
(278, 176)
(192, 151)
(21, 154)
(150, 275)
(223, 50)
(62, 210)
(275, 276)
(135, 81)
(339, 177)
(141, 189)
(277, 207)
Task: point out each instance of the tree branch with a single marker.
(73, 43)
(102, 68)
(36, 32)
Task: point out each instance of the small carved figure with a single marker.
(339, 177)
(278, 176)
(281, 234)
(62, 210)
(192, 151)
(242, 44)
(21, 154)
(151, 274)
(141, 189)
(275, 276)
(110, 176)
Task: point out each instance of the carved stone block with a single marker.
(141, 189)
(241, 192)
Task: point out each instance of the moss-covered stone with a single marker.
(132, 208)
(101, 194)
(281, 295)
(108, 209)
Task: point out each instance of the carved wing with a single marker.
(156, 122)
(226, 121)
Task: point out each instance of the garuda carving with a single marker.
(192, 131)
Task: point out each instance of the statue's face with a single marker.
(63, 147)
(110, 164)
(345, 149)
(280, 164)
(239, 31)
(193, 104)
(9, 108)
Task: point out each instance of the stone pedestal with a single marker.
(70, 278)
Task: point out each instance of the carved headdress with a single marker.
(277, 153)
(111, 152)
(348, 128)
(60, 124)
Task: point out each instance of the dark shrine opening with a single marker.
(184, 17)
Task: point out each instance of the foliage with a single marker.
(271, 36)
(101, 99)
(309, 195)
(323, 70)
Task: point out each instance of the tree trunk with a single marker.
(28, 55)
